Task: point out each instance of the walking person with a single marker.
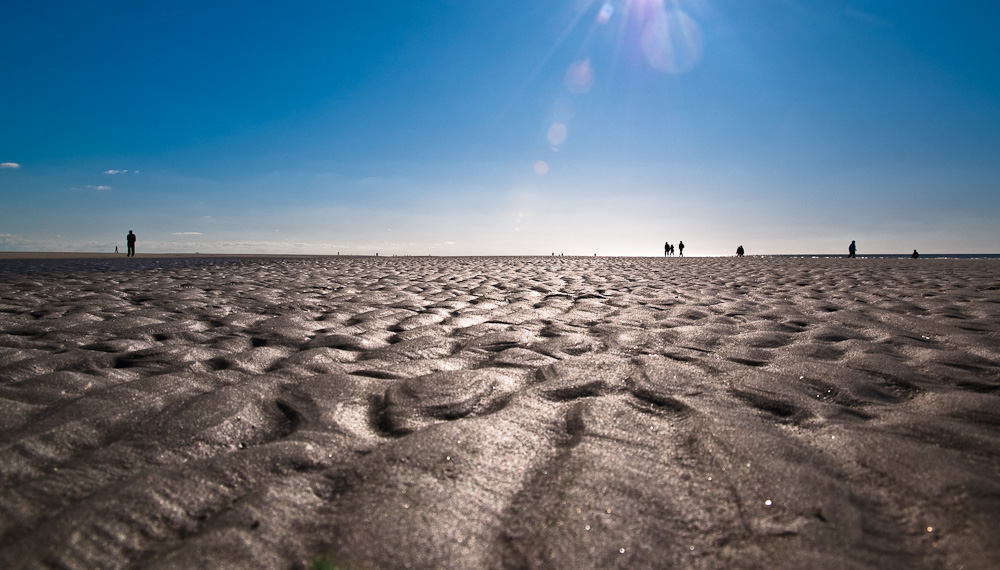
(680, 248)
(130, 242)
(853, 249)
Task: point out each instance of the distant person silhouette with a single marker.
(130, 241)
(915, 254)
(853, 249)
(680, 249)
(739, 251)
(666, 248)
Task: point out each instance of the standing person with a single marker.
(680, 248)
(666, 248)
(739, 251)
(130, 242)
(852, 249)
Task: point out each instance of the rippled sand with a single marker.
(499, 413)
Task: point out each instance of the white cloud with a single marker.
(9, 165)
(102, 187)
(187, 233)
(112, 171)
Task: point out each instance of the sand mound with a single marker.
(499, 413)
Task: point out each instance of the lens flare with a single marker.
(604, 15)
(557, 134)
(657, 33)
(580, 77)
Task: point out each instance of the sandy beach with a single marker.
(499, 412)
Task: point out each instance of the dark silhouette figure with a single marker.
(666, 248)
(680, 248)
(739, 251)
(915, 254)
(853, 249)
(130, 242)
(116, 249)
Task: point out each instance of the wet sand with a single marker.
(579, 412)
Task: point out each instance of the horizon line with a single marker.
(106, 255)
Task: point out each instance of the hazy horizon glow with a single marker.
(466, 128)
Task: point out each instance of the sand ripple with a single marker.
(499, 413)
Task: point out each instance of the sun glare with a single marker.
(669, 38)
(659, 34)
(671, 41)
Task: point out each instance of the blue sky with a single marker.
(468, 127)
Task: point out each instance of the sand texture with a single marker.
(487, 413)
